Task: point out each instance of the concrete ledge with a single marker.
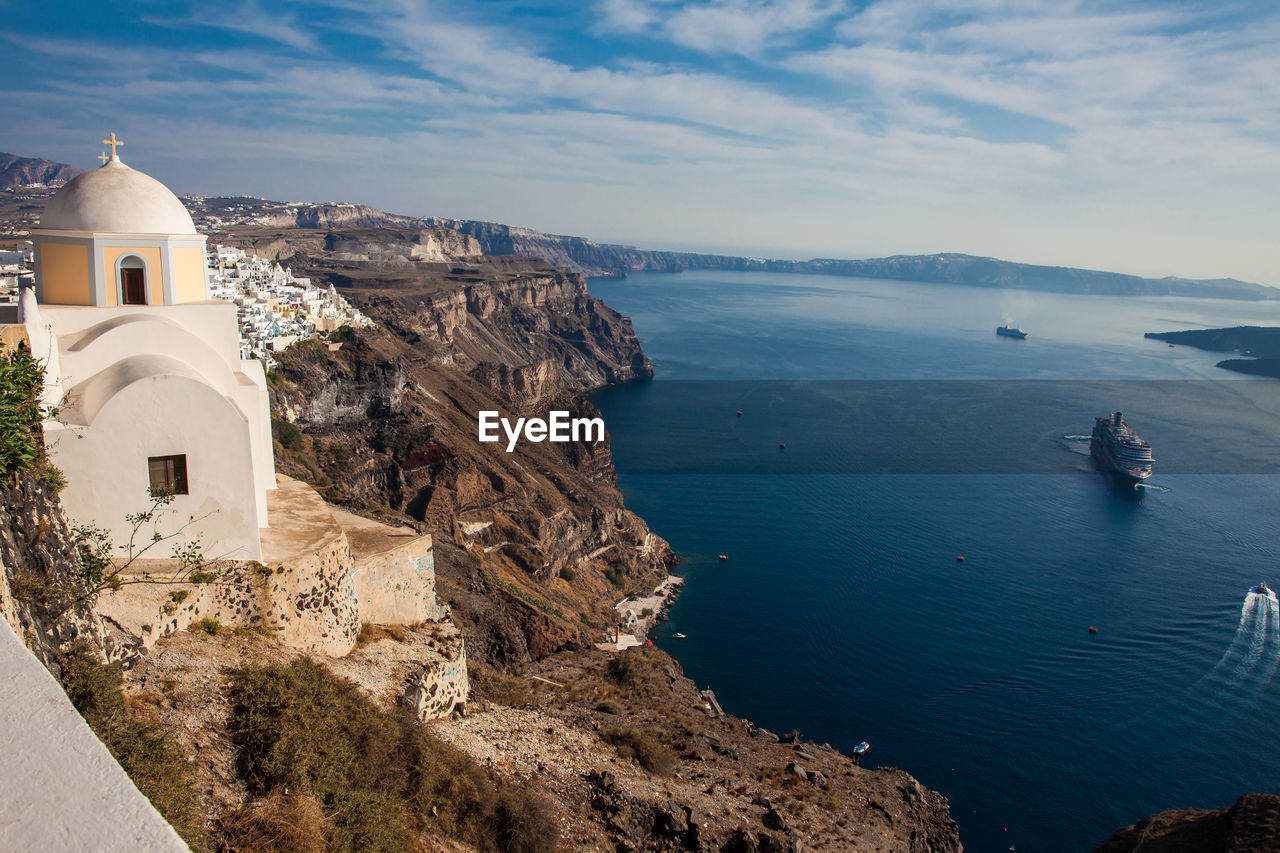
(63, 790)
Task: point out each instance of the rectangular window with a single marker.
(168, 473)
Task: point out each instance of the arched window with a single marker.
(133, 281)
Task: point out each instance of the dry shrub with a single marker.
(645, 746)
(377, 775)
(495, 685)
(281, 823)
(646, 670)
(145, 751)
(523, 821)
(370, 633)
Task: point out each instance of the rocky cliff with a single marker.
(1251, 825)
(39, 571)
(387, 423)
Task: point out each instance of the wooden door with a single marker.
(133, 286)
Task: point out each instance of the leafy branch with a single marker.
(100, 570)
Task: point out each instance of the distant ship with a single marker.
(1010, 332)
(1260, 589)
(1117, 446)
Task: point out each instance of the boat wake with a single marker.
(1152, 487)
(1076, 438)
(1249, 664)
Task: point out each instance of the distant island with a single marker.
(1260, 343)
(590, 258)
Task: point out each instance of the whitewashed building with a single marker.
(147, 371)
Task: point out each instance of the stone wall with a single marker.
(439, 688)
(398, 587)
(324, 580)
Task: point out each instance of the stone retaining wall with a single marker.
(439, 688)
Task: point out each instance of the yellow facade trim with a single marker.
(64, 274)
(188, 274)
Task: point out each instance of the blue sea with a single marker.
(914, 435)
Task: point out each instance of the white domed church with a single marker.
(145, 370)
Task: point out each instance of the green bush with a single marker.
(143, 749)
(616, 576)
(54, 480)
(21, 383)
(209, 625)
(568, 574)
(289, 436)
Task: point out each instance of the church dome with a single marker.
(116, 199)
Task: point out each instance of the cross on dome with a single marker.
(113, 142)
(102, 158)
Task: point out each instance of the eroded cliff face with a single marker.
(388, 424)
(401, 247)
(39, 573)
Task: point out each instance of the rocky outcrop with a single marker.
(39, 573)
(335, 216)
(1251, 825)
(401, 247)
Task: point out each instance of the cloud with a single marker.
(247, 17)
(995, 127)
(719, 26)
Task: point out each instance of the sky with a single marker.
(1140, 137)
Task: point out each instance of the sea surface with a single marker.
(914, 435)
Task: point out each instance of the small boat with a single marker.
(1010, 332)
(1260, 589)
(1093, 629)
(724, 557)
(861, 748)
(782, 446)
(678, 636)
(959, 558)
(739, 411)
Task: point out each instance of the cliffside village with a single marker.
(274, 308)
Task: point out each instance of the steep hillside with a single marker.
(388, 424)
(18, 171)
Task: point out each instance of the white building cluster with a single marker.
(274, 308)
(15, 270)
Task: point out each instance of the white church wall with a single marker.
(255, 402)
(161, 415)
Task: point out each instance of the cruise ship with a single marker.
(1117, 446)
(1010, 332)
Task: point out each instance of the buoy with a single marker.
(1093, 629)
(960, 559)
